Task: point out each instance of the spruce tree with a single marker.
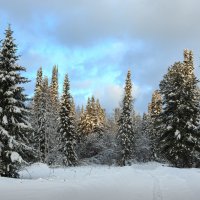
(44, 123)
(36, 109)
(92, 119)
(67, 127)
(95, 118)
(155, 107)
(88, 122)
(54, 88)
(52, 118)
(125, 135)
(74, 114)
(154, 110)
(15, 130)
(179, 120)
(38, 90)
(45, 117)
(101, 114)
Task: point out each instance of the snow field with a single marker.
(150, 181)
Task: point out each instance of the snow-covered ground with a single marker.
(150, 181)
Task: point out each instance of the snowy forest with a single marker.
(50, 128)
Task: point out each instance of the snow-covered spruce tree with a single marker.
(38, 90)
(90, 113)
(15, 130)
(40, 121)
(92, 119)
(74, 113)
(36, 112)
(45, 117)
(83, 124)
(101, 113)
(154, 109)
(125, 136)
(179, 119)
(52, 118)
(54, 88)
(44, 122)
(92, 133)
(67, 131)
(102, 119)
(75, 116)
(96, 117)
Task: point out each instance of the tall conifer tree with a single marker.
(154, 110)
(15, 130)
(54, 88)
(67, 127)
(36, 109)
(44, 123)
(125, 135)
(52, 118)
(179, 140)
(38, 90)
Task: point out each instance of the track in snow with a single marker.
(157, 193)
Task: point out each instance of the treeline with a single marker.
(53, 130)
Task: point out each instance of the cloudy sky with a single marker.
(96, 42)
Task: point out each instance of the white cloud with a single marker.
(110, 96)
(97, 41)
